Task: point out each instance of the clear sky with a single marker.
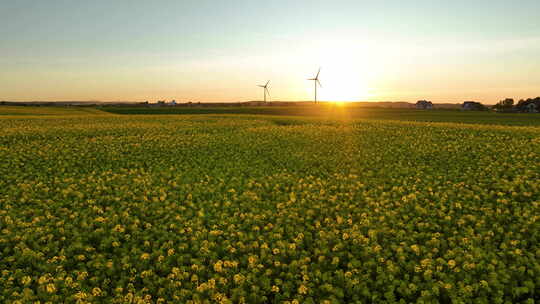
(220, 50)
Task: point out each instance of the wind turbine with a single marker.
(265, 89)
(316, 82)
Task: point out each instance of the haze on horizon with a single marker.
(209, 50)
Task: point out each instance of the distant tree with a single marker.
(508, 102)
(505, 105)
(528, 105)
(473, 106)
(424, 104)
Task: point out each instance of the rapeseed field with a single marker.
(267, 209)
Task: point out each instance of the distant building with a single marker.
(424, 105)
(172, 103)
(530, 105)
(472, 106)
(532, 108)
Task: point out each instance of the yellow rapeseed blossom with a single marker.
(51, 288)
(218, 266)
(416, 249)
(26, 280)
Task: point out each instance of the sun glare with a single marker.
(345, 72)
(342, 85)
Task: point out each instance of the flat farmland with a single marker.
(243, 208)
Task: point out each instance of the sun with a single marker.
(345, 72)
(340, 84)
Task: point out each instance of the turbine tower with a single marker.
(316, 82)
(265, 87)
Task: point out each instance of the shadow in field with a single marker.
(289, 122)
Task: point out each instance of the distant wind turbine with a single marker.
(316, 82)
(265, 87)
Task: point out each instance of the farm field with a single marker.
(47, 111)
(347, 111)
(242, 208)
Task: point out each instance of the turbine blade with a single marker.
(317, 77)
(267, 83)
(319, 83)
(268, 92)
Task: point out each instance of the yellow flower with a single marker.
(26, 280)
(275, 289)
(43, 280)
(68, 281)
(238, 278)
(51, 288)
(452, 263)
(302, 289)
(119, 228)
(218, 266)
(96, 292)
(80, 295)
(145, 256)
(82, 276)
(425, 262)
(275, 251)
(202, 287)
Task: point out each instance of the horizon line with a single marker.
(218, 102)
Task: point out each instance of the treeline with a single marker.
(529, 105)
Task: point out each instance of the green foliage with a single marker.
(262, 209)
(505, 105)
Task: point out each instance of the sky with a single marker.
(220, 50)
